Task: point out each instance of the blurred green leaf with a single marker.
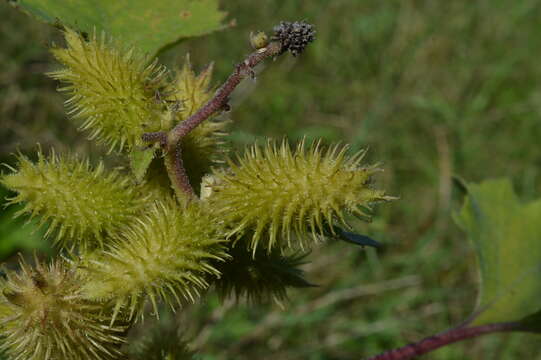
(151, 25)
(507, 239)
(15, 234)
(140, 161)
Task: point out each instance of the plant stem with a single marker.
(221, 97)
(448, 337)
(171, 141)
(177, 174)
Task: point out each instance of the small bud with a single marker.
(206, 186)
(258, 40)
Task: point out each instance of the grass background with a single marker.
(433, 88)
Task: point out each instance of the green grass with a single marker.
(433, 88)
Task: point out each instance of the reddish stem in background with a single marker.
(448, 337)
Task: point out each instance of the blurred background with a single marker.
(434, 89)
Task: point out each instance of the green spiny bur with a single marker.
(193, 90)
(162, 341)
(112, 92)
(44, 316)
(260, 277)
(79, 205)
(282, 198)
(165, 255)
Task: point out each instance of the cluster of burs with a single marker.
(128, 245)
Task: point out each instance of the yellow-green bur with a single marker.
(111, 91)
(283, 198)
(79, 205)
(44, 316)
(165, 255)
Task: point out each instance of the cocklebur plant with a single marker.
(132, 239)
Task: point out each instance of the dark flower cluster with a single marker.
(294, 36)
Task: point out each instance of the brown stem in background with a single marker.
(451, 336)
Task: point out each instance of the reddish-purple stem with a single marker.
(221, 97)
(177, 174)
(451, 336)
(171, 141)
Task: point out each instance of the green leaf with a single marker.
(150, 25)
(140, 161)
(506, 235)
(15, 234)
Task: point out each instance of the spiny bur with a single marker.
(165, 255)
(44, 316)
(162, 341)
(112, 92)
(260, 277)
(283, 198)
(78, 204)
